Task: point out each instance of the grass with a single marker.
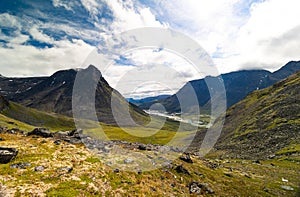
(90, 177)
(38, 118)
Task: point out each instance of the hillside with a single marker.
(51, 167)
(265, 123)
(237, 85)
(27, 116)
(54, 94)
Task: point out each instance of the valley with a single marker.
(257, 154)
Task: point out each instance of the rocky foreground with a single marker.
(60, 164)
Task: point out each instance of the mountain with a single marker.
(11, 112)
(265, 123)
(147, 99)
(55, 93)
(12, 87)
(237, 85)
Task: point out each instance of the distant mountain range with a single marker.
(147, 99)
(237, 85)
(54, 94)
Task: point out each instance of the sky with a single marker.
(39, 37)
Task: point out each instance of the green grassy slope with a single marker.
(265, 122)
(38, 118)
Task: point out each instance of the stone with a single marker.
(39, 168)
(286, 187)
(20, 165)
(14, 131)
(65, 169)
(62, 134)
(142, 147)
(42, 132)
(194, 188)
(181, 169)
(57, 142)
(76, 133)
(128, 161)
(186, 158)
(116, 170)
(7, 154)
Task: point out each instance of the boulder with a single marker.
(142, 147)
(42, 132)
(186, 158)
(39, 168)
(76, 133)
(7, 154)
(199, 188)
(20, 165)
(181, 169)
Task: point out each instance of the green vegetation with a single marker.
(38, 118)
(90, 177)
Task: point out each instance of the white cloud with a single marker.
(235, 35)
(264, 35)
(269, 39)
(162, 71)
(61, 3)
(24, 60)
(9, 21)
(40, 36)
(128, 16)
(92, 6)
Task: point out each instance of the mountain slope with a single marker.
(237, 85)
(32, 117)
(264, 123)
(54, 94)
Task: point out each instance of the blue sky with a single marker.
(39, 37)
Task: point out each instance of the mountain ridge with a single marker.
(54, 94)
(238, 85)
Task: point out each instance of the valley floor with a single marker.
(63, 169)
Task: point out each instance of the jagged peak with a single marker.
(93, 69)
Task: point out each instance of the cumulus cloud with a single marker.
(238, 34)
(129, 16)
(61, 3)
(24, 60)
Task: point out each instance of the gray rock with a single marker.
(197, 188)
(7, 154)
(128, 161)
(20, 165)
(186, 158)
(39, 168)
(76, 133)
(194, 188)
(181, 169)
(57, 142)
(286, 187)
(65, 169)
(42, 132)
(62, 134)
(142, 147)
